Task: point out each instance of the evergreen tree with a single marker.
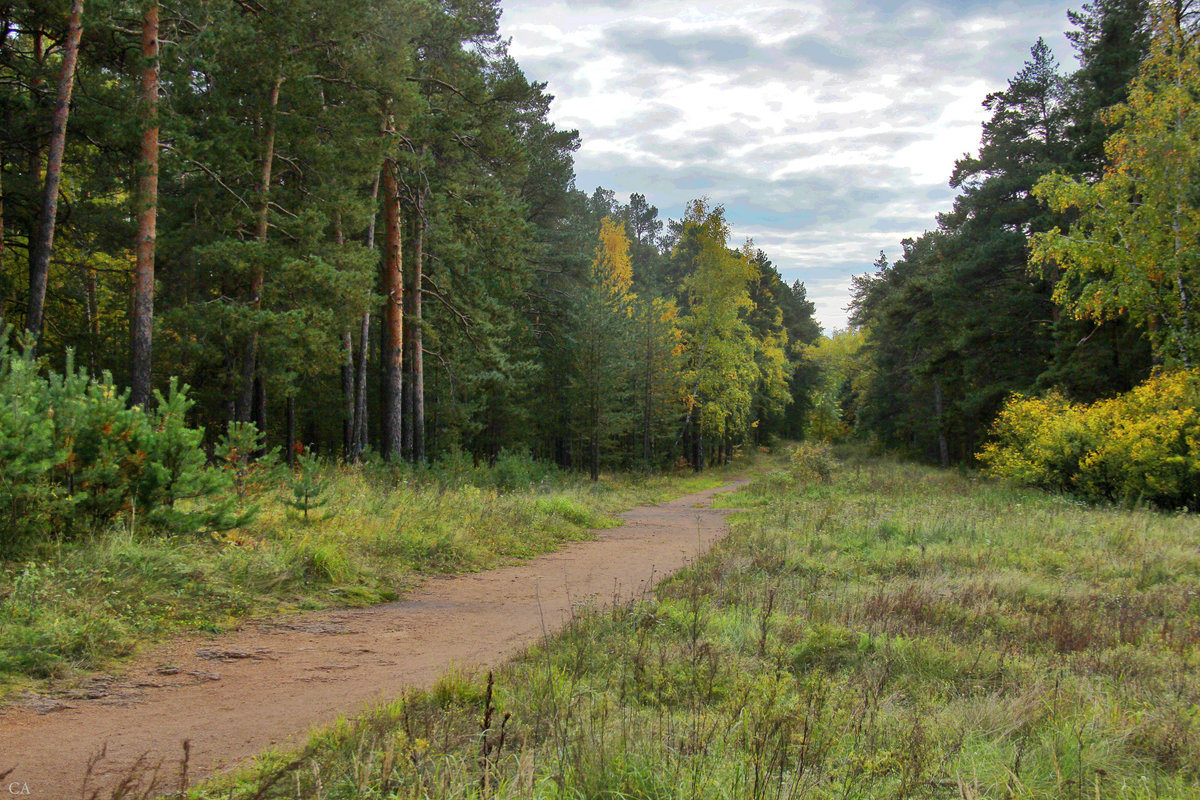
(146, 207)
(958, 323)
(601, 345)
(41, 248)
(1111, 38)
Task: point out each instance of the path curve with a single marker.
(267, 685)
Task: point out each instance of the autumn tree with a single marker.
(1131, 248)
(844, 372)
(720, 368)
(601, 343)
(363, 201)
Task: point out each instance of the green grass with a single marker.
(891, 631)
(86, 604)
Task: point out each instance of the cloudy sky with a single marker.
(827, 128)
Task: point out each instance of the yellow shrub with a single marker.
(1151, 450)
(1141, 446)
(811, 462)
(1039, 441)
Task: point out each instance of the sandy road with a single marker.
(237, 694)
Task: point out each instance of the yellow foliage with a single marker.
(1140, 446)
(723, 356)
(843, 368)
(1130, 249)
(1039, 441)
(612, 269)
(811, 462)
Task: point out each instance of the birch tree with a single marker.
(1132, 248)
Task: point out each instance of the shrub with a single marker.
(1040, 441)
(518, 470)
(247, 466)
(175, 469)
(1151, 445)
(453, 468)
(811, 462)
(512, 471)
(32, 503)
(1141, 446)
(74, 456)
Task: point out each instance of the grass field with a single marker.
(85, 604)
(873, 630)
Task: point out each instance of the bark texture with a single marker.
(257, 278)
(418, 352)
(141, 373)
(392, 357)
(39, 263)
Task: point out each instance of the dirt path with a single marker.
(235, 695)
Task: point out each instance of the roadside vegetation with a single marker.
(338, 535)
(870, 629)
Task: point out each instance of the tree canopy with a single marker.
(1067, 262)
(355, 226)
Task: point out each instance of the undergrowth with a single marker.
(80, 604)
(886, 631)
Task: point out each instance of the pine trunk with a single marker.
(147, 211)
(348, 426)
(649, 395)
(409, 363)
(1, 217)
(594, 438)
(348, 394)
(260, 414)
(418, 336)
(392, 361)
(361, 431)
(291, 430)
(4, 29)
(361, 423)
(39, 262)
(33, 158)
(938, 407)
(92, 308)
(257, 278)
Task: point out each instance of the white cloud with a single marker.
(828, 129)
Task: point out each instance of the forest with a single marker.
(1014, 332)
(252, 227)
(302, 308)
(353, 226)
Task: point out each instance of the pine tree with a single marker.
(41, 249)
(602, 335)
(1111, 38)
(147, 214)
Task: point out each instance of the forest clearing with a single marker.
(868, 629)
